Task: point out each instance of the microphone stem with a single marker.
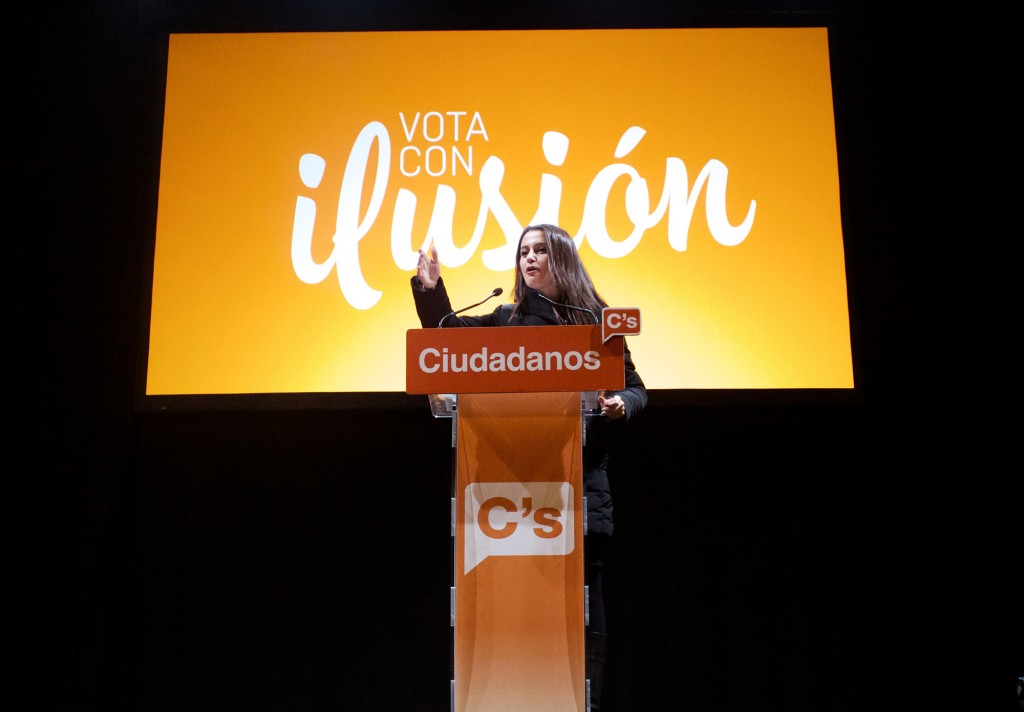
(493, 294)
(555, 304)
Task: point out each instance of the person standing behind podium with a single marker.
(552, 287)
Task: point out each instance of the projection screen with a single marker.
(300, 173)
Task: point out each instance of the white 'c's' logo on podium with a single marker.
(518, 519)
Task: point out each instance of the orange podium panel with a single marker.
(519, 586)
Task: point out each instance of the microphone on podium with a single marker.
(553, 303)
(494, 293)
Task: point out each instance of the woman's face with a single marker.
(533, 263)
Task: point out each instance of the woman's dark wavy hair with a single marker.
(571, 277)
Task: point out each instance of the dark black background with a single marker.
(770, 555)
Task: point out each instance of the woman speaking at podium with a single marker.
(552, 287)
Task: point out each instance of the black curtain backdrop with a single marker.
(799, 557)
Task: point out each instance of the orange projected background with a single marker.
(300, 173)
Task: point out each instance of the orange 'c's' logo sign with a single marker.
(619, 321)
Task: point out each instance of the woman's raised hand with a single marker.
(428, 269)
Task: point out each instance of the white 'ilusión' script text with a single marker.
(677, 200)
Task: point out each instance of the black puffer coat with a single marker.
(432, 305)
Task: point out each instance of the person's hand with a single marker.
(612, 407)
(428, 269)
